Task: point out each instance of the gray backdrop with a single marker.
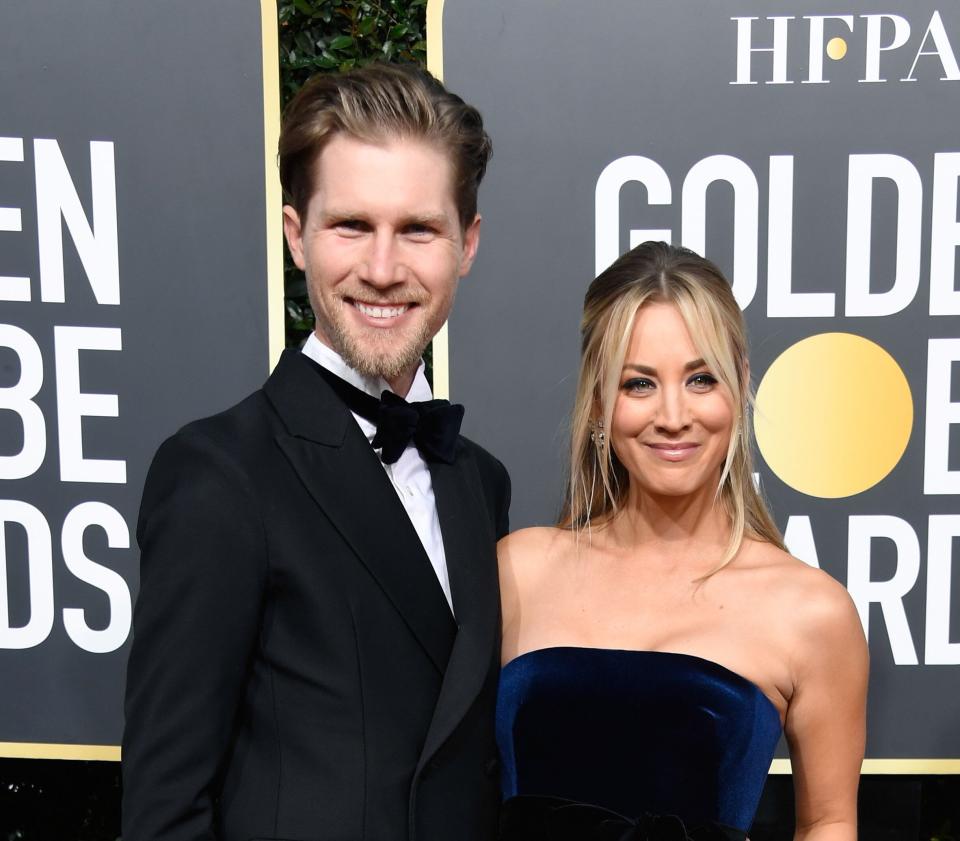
(568, 88)
(176, 87)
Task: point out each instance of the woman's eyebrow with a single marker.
(652, 372)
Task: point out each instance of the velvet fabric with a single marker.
(636, 733)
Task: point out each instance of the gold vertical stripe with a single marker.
(441, 347)
(274, 200)
(28, 750)
(441, 363)
(435, 38)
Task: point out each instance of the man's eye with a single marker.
(638, 385)
(350, 225)
(702, 381)
(419, 230)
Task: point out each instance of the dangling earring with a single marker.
(598, 437)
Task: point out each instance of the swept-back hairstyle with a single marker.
(374, 104)
(657, 272)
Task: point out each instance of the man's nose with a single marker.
(381, 267)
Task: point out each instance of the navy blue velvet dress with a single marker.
(609, 745)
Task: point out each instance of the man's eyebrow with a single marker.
(652, 372)
(332, 214)
(340, 213)
(427, 219)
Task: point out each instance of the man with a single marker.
(316, 638)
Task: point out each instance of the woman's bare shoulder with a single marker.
(531, 548)
(528, 559)
(534, 540)
(820, 606)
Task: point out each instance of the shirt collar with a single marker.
(374, 386)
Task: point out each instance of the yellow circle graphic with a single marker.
(836, 48)
(833, 415)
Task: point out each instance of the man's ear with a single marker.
(471, 239)
(294, 234)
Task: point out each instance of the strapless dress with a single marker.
(612, 745)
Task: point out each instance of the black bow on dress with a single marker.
(532, 818)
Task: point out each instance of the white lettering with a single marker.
(73, 405)
(40, 566)
(941, 50)
(745, 50)
(56, 196)
(941, 415)
(938, 650)
(798, 537)
(19, 398)
(607, 204)
(782, 301)
(12, 288)
(901, 32)
(888, 594)
(815, 72)
(118, 537)
(746, 212)
(944, 235)
(864, 169)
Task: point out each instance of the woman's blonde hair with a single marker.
(657, 272)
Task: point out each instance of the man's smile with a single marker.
(375, 311)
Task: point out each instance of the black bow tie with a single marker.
(433, 425)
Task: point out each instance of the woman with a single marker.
(657, 641)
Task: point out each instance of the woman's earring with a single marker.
(598, 437)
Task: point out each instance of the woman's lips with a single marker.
(674, 451)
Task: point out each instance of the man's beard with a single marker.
(380, 352)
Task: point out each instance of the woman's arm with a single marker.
(826, 717)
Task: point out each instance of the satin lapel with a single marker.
(344, 476)
(470, 548)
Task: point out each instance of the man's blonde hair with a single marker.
(377, 103)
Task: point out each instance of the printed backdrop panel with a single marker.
(813, 152)
(134, 298)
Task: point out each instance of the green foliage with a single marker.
(318, 35)
(336, 35)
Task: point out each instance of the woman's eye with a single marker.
(638, 385)
(703, 382)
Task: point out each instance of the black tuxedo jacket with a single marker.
(296, 672)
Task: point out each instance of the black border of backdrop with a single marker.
(140, 248)
(719, 126)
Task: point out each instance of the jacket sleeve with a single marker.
(496, 488)
(196, 625)
(503, 508)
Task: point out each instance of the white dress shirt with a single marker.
(409, 475)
